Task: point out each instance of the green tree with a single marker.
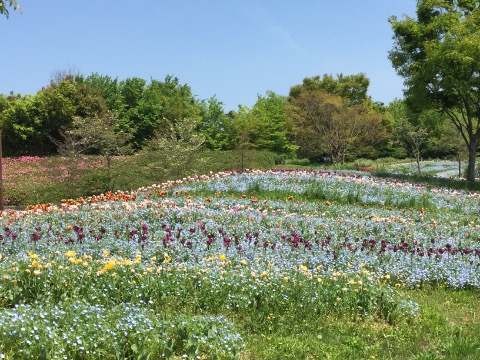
(106, 87)
(413, 138)
(21, 130)
(177, 99)
(351, 87)
(430, 120)
(216, 126)
(98, 134)
(325, 123)
(246, 126)
(31, 121)
(176, 145)
(389, 115)
(5, 4)
(437, 54)
(265, 126)
(4, 103)
(273, 126)
(132, 90)
(451, 143)
(149, 108)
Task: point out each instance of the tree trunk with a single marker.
(416, 154)
(472, 159)
(459, 168)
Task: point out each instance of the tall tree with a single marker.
(325, 124)
(106, 87)
(265, 126)
(413, 139)
(177, 143)
(4, 103)
(149, 108)
(438, 55)
(99, 134)
(20, 130)
(429, 123)
(272, 123)
(216, 126)
(451, 144)
(5, 4)
(247, 128)
(29, 122)
(353, 88)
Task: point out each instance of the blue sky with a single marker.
(234, 50)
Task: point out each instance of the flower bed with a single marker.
(176, 263)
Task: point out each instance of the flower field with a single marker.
(203, 267)
(438, 168)
(28, 179)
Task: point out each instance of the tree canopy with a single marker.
(265, 126)
(353, 88)
(6, 4)
(217, 127)
(322, 117)
(325, 123)
(438, 55)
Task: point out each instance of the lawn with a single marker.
(292, 264)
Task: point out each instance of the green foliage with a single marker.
(413, 139)
(265, 126)
(324, 124)
(100, 135)
(300, 162)
(352, 88)
(4, 4)
(19, 129)
(329, 117)
(436, 54)
(272, 126)
(149, 108)
(217, 127)
(280, 159)
(30, 122)
(440, 139)
(4, 103)
(132, 91)
(177, 144)
(106, 87)
(33, 124)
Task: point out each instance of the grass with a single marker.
(447, 329)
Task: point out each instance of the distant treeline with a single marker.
(329, 118)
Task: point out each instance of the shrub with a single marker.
(300, 162)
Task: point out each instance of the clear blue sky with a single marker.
(235, 50)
